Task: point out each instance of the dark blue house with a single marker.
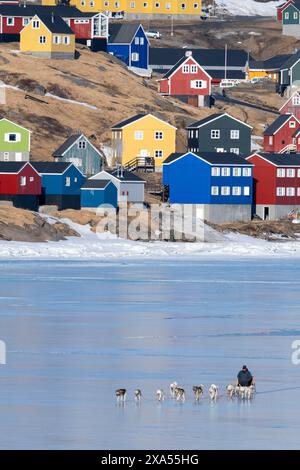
(61, 183)
(221, 184)
(95, 193)
(129, 43)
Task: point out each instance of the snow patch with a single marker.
(248, 7)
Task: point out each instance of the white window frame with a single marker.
(225, 171)
(25, 21)
(158, 153)
(82, 144)
(132, 4)
(159, 135)
(42, 40)
(135, 57)
(23, 181)
(35, 24)
(234, 134)
(56, 39)
(68, 181)
(235, 150)
(296, 100)
(142, 41)
(236, 190)
(66, 40)
(236, 171)
(194, 68)
(214, 191)
(292, 124)
(298, 173)
(290, 192)
(215, 134)
(246, 191)
(215, 171)
(136, 40)
(225, 190)
(247, 172)
(168, 6)
(7, 137)
(138, 135)
(280, 173)
(286, 15)
(185, 68)
(6, 156)
(10, 21)
(290, 173)
(295, 15)
(280, 191)
(183, 6)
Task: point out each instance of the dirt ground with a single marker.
(268, 230)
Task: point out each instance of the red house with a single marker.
(90, 29)
(188, 81)
(20, 183)
(276, 184)
(279, 136)
(292, 105)
(281, 7)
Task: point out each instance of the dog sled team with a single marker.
(244, 389)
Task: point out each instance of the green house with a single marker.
(14, 142)
(291, 20)
(289, 75)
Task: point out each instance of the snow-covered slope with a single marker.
(249, 7)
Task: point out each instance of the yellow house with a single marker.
(137, 7)
(143, 140)
(48, 36)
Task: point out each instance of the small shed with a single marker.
(130, 186)
(95, 193)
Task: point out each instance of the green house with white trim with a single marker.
(289, 75)
(14, 142)
(291, 20)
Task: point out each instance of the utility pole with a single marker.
(172, 25)
(225, 62)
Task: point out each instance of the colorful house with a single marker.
(79, 150)
(130, 187)
(279, 136)
(14, 142)
(49, 37)
(61, 183)
(143, 140)
(277, 184)
(20, 184)
(281, 7)
(95, 193)
(220, 133)
(188, 81)
(90, 29)
(292, 105)
(268, 68)
(291, 19)
(129, 43)
(218, 63)
(289, 76)
(219, 184)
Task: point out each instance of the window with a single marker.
(75, 179)
(125, 193)
(215, 171)
(236, 191)
(157, 5)
(12, 137)
(117, 4)
(237, 171)
(295, 15)
(286, 15)
(82, 144)
(135, 57)
(214, 191)
(159, 135)
(132, 4)
(298, 173)
(292, 124)
(194, 68)
(106, 4)
(296, 100)
(186, 69)
(158, 153)
(168, 6)
(138, 135)
(83, 3)
(290, 191)
(31, 179)
(66, 40)
(68, 181)
(290, 173)
(215, 134)
(280, 191)
(198, 83)
(280, 173)
(246, 171)
(136, 40)
(234, 134)
(298, 191)
(247, 191)
(145, 5)
(35, 24)
(225, 171)
(270, 140)
(25, 21)
(92, 4)
(10, 21)
(225, 190)
(42, 39)
(196, 6)
(183, 6)
(6, 156)
(235, 150)
(56, 39)
(23, 181)
(142, 41)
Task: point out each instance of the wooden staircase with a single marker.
(140, 164)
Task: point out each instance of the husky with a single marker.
(179, 394)
(160, 395)
(137, 395)
(213, 392)
(121, 394)
(173, 385)
(198, 391)
(231, 391)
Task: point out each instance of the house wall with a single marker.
(81, 30)
(205, 143)
(127, 147)
(55, 184)
(291, 30)
(10, 183)
(92, 198)
(275, 212)
(181, 83)
(87, 160)
(264, 175)
(137, 7)
(120, 51)
(226, 213)
(21, 147)
(289, 108)
(135, 190)
(141, 49)
(290, 15)
(282, 138)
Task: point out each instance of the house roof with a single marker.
(51, 167)
(95, 184)
(278, 123)
(11, 167)
(66, 145)
(213, 158)
(55, 24)
(211, 118)
(122, 33)
(179, 63)
(32, 10)
(290, 61)
(273, 63)
(280, 159)
(127, 176)
(137, 117)
(289, 99)
(205, 57)
(295, 3)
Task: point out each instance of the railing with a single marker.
(140, 163)
(291, 148)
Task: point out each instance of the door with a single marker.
(18, 156)
(266, 213)
(144, 153)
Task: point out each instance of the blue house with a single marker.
(221, 184)
(129, 43)
(95, 193)
(61, 183)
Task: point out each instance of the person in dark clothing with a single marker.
(223, 93)
(245, 378)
